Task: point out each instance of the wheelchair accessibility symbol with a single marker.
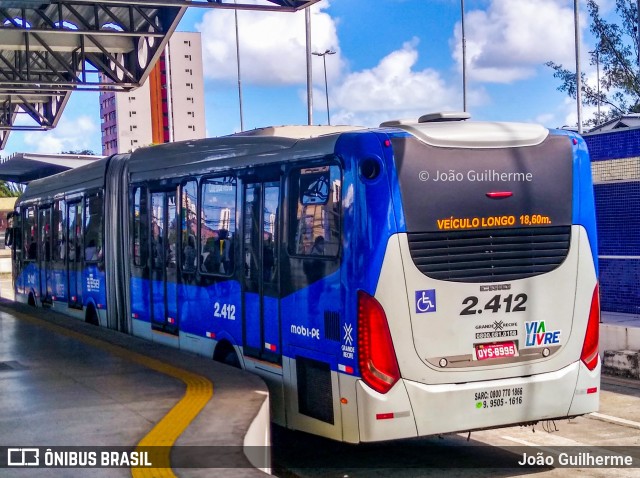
(425, 301)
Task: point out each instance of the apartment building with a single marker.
(168, 107)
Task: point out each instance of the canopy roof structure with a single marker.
(49, 48)
(631, 120)
(25, 167)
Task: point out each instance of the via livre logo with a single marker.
(537, 334)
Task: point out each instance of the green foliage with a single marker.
(9, 190)
(616, 54)
(79, 151)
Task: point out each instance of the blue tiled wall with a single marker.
(618, 144)
(619, 289)
(618, 218)
(618, 221)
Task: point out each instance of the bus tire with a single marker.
(32, 300)
(226, 354)
(91, 316)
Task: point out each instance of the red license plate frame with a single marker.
(496, 351)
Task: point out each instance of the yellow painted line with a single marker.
(166, 432)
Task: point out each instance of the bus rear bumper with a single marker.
(412, 409)
(587, 394)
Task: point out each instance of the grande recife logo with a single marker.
(537, 334)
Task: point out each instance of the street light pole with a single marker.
(576, 21)
(326, 87)
(464, 58)
(307, 19)
(235, 11)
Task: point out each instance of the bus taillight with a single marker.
(589, 353)
(377, 358)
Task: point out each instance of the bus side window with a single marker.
(189, 204)
(17, 232)
(8, 233)
(315, 211)
(59, 237)
(30, 234)
(93, 228)
(139, 227)
(45, 233)
(218, 225)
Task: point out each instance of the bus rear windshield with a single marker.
(449, 189)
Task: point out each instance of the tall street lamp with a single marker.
(235, 11)
(576, 22)
(464, 58)
(326, 88)
(307, 20)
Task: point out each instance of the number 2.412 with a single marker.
(511, 304)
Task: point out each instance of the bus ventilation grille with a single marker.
(315, 394)
(332, 325)
(494, 255)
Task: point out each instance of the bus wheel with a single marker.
(92, 316)
(225, 353)
(32, 300)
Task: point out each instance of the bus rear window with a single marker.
(457, 189)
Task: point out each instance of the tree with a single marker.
(9, 190)
(79, 151)
(616, 56)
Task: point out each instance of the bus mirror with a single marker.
(10, 231)
(8, 237)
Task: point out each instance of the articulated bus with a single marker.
(414, 279)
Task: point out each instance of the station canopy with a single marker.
(25, 167)
(49, 48)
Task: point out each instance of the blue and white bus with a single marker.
(413, 279)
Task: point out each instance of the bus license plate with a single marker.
(494, 351)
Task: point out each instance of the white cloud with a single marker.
(272, 49)
(71, 134)
(571, 112)
(512, 38)
(566, 114)
(392, 90)
(272, 45)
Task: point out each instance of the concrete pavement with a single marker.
(67, 383)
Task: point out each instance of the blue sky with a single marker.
(395, 59)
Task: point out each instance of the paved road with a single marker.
(493, 452)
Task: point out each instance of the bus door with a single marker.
(46, 273)
(163, 244)
(74, 253)
(261, 239)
